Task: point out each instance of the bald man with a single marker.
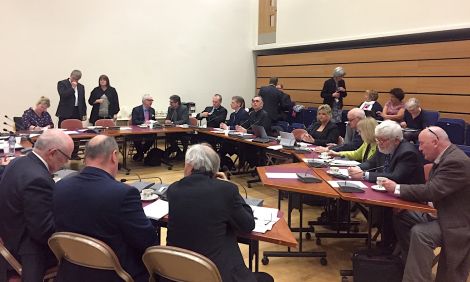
(449, 191)
(26, 189)
(93, 203)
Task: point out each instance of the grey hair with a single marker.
(76, 74)
(51, 139)
(358, 113)
(100, 149)
(203, 159)
(389, 129)
(146, 97)
(339, 72)
(412, 103)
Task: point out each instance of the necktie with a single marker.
(387, 163)
(146, 114)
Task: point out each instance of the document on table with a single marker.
(275, 147)
(343, 163)
(157, 209)
(281, 175)
(70, 132)
(125, 128)
(335, 183)
(265, 218)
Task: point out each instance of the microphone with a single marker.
(18, 125)
(348, 187)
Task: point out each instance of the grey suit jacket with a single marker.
(179, 115)
(448, 188)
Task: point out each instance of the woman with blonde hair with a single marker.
(366, 128)
(324, 130)
(38, 118)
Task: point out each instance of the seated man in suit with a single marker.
(420, 233)
(397, 159)
(93, 203)
(26, 219)
(213, 210)
(239, 115)
(177, 114)
(143, 114)
(258, 116)
(215, 114)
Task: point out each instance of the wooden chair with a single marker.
(105, 123)
(180, 265)
(193, 121)
(71, 124)
(11, 260)
(87, 252)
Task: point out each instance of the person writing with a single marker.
(38, 118)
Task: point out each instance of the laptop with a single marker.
(287, 139)
(261, 136)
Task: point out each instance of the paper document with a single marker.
(280, 175)
(125, 128)
(344, 163)
(157, 209)
(358, 183)
(275, 147)
(265, 218)
(70, 132)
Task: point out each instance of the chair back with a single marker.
(193, 121)
(105, 123)
(431, 117)
(87, 252)
(19, 123)
(71, 124)
(298, 133)
(179, 265)
(10, 258)
(455, 129)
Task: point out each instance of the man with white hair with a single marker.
(397, 159)
(213, 211)
(352, 139)
(26, 220)
(143, 114)
(93, 203)
(448, 189)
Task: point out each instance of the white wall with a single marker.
(303, 22)
(190, 48)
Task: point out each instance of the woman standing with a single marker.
(334, 90)
(38, 118)
(104, 100)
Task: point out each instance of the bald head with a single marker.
(53, 139)
(55, 148)
(432, 142)
(101, 152)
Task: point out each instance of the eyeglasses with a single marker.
(63, 154)
(255, 101)
(434, 133)
(380, 140)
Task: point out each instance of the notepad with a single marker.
(157, 209)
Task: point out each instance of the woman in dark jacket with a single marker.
(104, 100)
(324, 130)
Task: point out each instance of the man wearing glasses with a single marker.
(143, 114)
(398, 160)
(448, 190)
(26, 220)
(257, 117)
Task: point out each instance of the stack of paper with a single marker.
(265, 218)
(157, 209)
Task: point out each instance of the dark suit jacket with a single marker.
(329, 87)
(26, 220)
(96, 94)
(138, 116)
(273, 100)
(238, 118)
(260, 118)
(179, 115)
(330, 133)
(448, 189)
(352, 141)
(406, 165)
(93, 203)
(67, 99)
(218, 116)
(204, 215)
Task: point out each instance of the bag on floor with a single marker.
(154, 157)
(372, 265)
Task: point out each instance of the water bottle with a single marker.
(11, 145)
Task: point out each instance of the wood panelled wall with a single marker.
(437, 74)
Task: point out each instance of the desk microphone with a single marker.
(18, 126)
(348, 187)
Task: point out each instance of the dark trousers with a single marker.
(75, 115)
(34, 265)
(173, 139)
(143, 144)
